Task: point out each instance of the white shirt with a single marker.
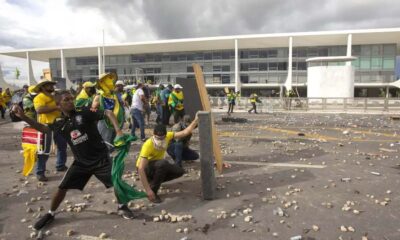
(137, 101)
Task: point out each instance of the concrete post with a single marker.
(237, 77)
(100, 61)
(365, 104)
(386, 104)
(208, 181)
(349, 43)
(64, 71)
(31, 77)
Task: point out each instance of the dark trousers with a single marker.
(159, 171)
(178, 115)
(138, 122)
(159, 111)
(44, 155)
(180, 153)
(231, 106)
(165, 115)
(3, 111)
(253, 108)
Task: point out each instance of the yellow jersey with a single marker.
(42, 100)
(150, 153)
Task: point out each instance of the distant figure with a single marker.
(164, 95)
(85, 97)
(158, 103)
(2, 104)
(27, 103)
(175, 103)
(137, 109)
(253, 100)
(231, 100)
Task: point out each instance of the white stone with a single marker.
(70, 232)
(248, 218)
(103, 236)
(315, 228)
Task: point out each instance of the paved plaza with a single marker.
(318, 176)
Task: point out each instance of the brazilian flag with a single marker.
(123, 190)
(112, 102)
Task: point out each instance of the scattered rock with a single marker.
(103, 236)
(315, 228)
(70, 232)
(248, 218)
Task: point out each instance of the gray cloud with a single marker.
(185, 19)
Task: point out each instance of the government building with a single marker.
(260, 63)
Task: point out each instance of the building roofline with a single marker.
(210, 39)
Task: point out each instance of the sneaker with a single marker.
(42, 178)
(125, 212)
(46, 219)
(157, 200)
(62, 169)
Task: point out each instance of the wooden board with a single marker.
(226, 90)
(207, 107)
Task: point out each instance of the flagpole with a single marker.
(104, 55)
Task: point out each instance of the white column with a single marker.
(237, 77)
(349, 43)
(31, 77)
(64, 72)
(100, 60)
(288, 83)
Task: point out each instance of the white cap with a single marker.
(176, 86)
(119, 82)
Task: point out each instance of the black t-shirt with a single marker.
(80, 131)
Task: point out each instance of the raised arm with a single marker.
(187, 130)
(47, 109)
(95, 103)
(17, 110)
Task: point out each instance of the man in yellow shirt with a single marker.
(47, 112)
(7, 97)
(2, 104)
(175, 102)
(152, 167)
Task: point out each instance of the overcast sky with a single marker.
(61, 23)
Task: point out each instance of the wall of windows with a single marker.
(375, 63)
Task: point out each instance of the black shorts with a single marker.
(77, 176)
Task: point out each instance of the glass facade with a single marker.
(374, 64)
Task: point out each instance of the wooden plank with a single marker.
(207, 107)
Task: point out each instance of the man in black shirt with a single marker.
(91, 155)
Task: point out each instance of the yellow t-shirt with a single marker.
(148, 151)
(2, 101)
(6, 97)
(42, 100)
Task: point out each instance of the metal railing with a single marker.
(312, 104)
